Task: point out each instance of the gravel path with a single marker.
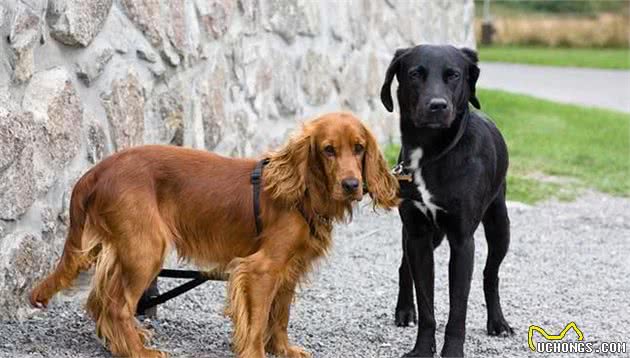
(584, 86)
(568, 262)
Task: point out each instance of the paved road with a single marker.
(567, 262)
(585, 86)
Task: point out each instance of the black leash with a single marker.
(197, 278)
(256, 180)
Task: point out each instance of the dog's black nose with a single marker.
(350, 185)
(437, 104)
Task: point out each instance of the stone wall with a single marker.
(82, 79)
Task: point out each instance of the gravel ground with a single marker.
(567, 262)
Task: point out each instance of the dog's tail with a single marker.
(75, 257)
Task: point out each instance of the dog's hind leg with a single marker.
(125, 268)
(497, 227)
(75, 257)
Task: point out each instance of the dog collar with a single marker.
(402, 173)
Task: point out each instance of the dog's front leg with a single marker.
(420, 256)
(278, 343)
(460, 271)
(405, 307)
(254, 282)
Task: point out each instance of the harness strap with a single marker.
(256, 180)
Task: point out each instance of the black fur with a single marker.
(467, 183)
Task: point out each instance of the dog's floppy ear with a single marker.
(386, 92)
(473, 74)
(285, 175)
(381, 184)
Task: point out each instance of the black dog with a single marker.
(457, 161)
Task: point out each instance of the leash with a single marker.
(403, 173)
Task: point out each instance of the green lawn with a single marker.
(577, 57)
(556, 150)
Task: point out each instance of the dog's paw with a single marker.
(152, 353)
(297, 352)
(37, 300)
(405, 317)
(419, 353)
(453, 347)
(499, 327)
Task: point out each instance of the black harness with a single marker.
(152, 297)
(256, 179)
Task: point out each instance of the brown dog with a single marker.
(130, 209)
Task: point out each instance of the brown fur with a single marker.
(128, 210)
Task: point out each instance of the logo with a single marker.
(554, 343)
(549, 337)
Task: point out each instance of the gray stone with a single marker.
(92, 66)
(58, 115)
(240, 118)
(96, 142)
(23, 37)
(17, 185)
(215, 15)
(25, 259)
(308, 12)
(358, 12)
(157, 69)
(250, 10)
(124, 106)
(289, 18)
(166, 31)
(352, 83)
(254, 69)
(76, 22)
(212, 94)
(145, 14)
(315, 70)
(177, 28)
(282, 18)
(285, 85)
(147, 54)
(165, 113)
(374, 76)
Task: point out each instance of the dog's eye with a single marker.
(451, 75)
(417, 72)
(329, 150)
(358, 148)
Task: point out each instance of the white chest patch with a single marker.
(427, 204)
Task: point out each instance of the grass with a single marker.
(577, 57)
(557, 150)
(538, 7)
